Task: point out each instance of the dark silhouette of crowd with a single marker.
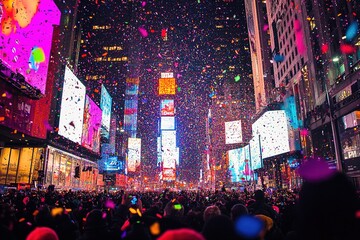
(324, 209)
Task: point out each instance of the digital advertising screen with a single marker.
(168, 174)
(113, 163)
(91, 125)
(158, 150)
(105, 105)
(132, 86)
(239, 164)
(233, 132)
(167, 123)
(134, 154)
(167, 86)
(274, 133)
(72, 107)
(169, 158)
(130, 114)
(167, 107)
(168, 139)
(26, 38)
(256, 161)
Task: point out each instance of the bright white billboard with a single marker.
(167, 123)
(255, 153)
(134, 154)
(169, 158)
(72, 107)
(233, 132)
(105, 105)
(273, 129)
(168, 139)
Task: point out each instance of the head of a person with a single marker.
(95, 220)
(237, 211)
(42, 233)
(173, 209)
(210, 212)
(219, 227)
(181, 234)
(259, 195)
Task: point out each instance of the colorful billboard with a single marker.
(168, 174)
(105, 105)
(26, 38)
(239, 164)
(72, 107)
(169, 158)
(130, 115)
(256, 161)
(273, 129)
(168, 139)
(167, 86)
(134, 154)
(233, 132)
(91, 126)
(132, 86)
(167, 123)
(167, 107)
(113, 163)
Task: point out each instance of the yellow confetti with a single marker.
(155, 229)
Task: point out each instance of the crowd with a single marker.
(326, 209)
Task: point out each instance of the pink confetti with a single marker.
(324, 48)
(143, 4)
(109, 204)
(299, 37)
(315, 170)
(347, 49)
(143, 32)
(266, 27)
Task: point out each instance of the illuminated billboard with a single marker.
(274, 134)
(167, 75)
(168, 174)
(134, 154)
(91, 125)
(255, 153)
(113, 163)
(239, 164)
(72, 107)
(169, 158)
(105, 105)
(167, 107)
(167, 86)
(26, 38)
(132, 86)
(167, 123)
(233, 132)
(130, 114)
(168, 139)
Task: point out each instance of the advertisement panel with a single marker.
(91, 125)
(167, 75)
(26, 38)
(168, 139)
(134, 154)
(113, 163)
(158, 151)
(256, 161)
(130, 114)
(167, 107)
(105, 105)
(168, 174)
(233, 132)
(167, 123)
(72, 107)
(169, 158)
(167, 86)
(239, 164)
(274, 135)
(132, 86)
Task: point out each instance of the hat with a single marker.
(42, 233)
(181, 234)
(269, 223)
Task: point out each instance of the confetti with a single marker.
(352, 31)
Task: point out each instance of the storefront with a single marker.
(21, 165)
(61, 167)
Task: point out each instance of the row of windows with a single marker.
(113, 48)
(109, 59)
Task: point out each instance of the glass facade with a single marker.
(60, 170)
(20, 165)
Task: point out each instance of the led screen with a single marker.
(168, 174)
(233, 133)
(113, 163)
(132, 86)
(134, 154)
(105, 105)
(72, 107)
(91, 125)
(168, 139)
(274, 135)
(167, 86)
(130, 114)
(169, 158)
(239, 164)
(167, 123)
(158, 150)
(167, 107)
(256, 161)
(26, 37)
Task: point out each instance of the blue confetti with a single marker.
(279, 58)
(248, 226)
(352, 31)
